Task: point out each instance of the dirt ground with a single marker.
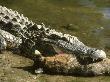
(16, 68)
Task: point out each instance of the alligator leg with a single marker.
(8, 41)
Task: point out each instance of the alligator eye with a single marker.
(63, 38)
(54, 36)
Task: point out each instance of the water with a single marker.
(106, 13)
(89, 20)
(87, 3)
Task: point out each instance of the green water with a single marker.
(87, 19)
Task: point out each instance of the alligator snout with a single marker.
(98, 54)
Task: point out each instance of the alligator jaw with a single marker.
(81, 51)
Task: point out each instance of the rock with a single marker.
(69, 65)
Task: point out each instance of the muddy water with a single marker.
(87, 19)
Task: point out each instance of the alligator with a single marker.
(17, 33)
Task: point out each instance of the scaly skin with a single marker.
(32, 35)
(9, 40)
(72, 44)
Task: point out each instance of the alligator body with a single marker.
(19, 26)
(16, 31)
